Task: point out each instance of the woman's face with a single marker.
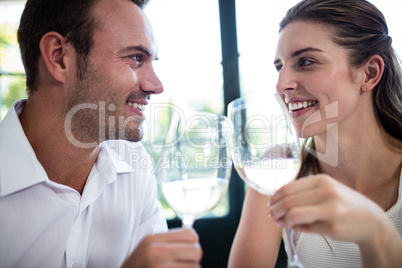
(315, 78)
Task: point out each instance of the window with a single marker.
(189, 67)
(12, 77)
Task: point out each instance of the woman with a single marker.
(345, 210)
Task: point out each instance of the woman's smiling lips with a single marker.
(299, 106)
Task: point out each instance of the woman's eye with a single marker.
(305, 62)
(278, 67)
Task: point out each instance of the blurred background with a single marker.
(211, 52)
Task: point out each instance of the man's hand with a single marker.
(177, 248)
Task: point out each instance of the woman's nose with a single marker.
(286, 81)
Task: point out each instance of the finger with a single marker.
(298, 199)
(310, 216)
(306, 215)
(174, 235)
(294, 187)
(176, 252)
(182, 265)
(153, 251)
(187, 253)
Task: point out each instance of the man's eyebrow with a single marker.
(136, 48)
(300, 51)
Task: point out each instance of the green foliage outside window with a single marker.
(12, 81)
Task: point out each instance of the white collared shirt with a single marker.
(46, 224)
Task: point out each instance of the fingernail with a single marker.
(279, 223)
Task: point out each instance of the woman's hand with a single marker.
(177, 248)
(322, 205)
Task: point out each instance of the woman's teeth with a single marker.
(138, 106)
(299, 105)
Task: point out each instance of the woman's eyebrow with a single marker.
(299, 52)
(307, 49)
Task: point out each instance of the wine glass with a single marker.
(266, 150)
(195, 164)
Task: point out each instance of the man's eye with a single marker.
(137, 60)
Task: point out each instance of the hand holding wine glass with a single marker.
(195, 164)
(266, 150)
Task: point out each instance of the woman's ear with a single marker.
(56, 54)
(373, 70)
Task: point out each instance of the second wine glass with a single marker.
(266, 150)
(195, 164)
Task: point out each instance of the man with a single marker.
(68, 195)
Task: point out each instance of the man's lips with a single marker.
(136, 105)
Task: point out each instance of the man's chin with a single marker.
(134, 135)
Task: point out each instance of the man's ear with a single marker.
(56, 54)
(373, 70)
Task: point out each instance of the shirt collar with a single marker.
(118, 153)
(19, 167)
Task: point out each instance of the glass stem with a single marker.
(293, 261)
(187, 223)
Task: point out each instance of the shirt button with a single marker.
(76, 265)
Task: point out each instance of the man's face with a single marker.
(119, 77)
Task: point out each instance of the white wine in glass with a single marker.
(266, 150)
(195, 164)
